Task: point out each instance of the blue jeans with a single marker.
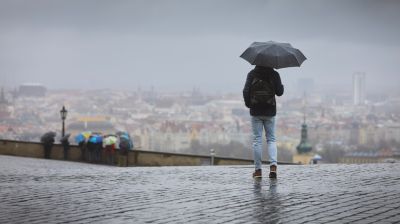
(259, 123)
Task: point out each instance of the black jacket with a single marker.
(264, 73)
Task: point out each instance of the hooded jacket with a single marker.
(264, 73)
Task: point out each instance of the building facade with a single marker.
(359, 88)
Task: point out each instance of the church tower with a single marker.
(304, 146)
(303, 153)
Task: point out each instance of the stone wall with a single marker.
(135, 157)
(35, 150)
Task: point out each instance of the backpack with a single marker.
(262, 92)
(125, 144)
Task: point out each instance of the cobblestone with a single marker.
(49, 191)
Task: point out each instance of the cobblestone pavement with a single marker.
(49, 191)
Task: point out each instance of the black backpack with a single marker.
(124, 144)
(262, 92)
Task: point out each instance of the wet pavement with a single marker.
(49, 191)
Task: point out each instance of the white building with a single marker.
(359, 88)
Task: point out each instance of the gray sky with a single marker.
(181, 44)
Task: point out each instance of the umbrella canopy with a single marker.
(65, 138)
(81, 137)
(86, 134)
(119, 133)
(110, 140)
(273, 54)
(317, 157)
(95, 139)
(48, 136)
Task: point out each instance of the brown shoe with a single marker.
(272, 172)
(257, 174)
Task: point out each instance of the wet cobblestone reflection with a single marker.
(48, 191)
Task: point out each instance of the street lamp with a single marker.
(63, 113)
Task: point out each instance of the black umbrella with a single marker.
(273, 54)
(48, 136)
(119, 133)
(65, 138)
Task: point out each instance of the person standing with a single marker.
(110, 152)
(83, 147)
(98, 150)
(48, 140)
(262, 84)
(125, 144)
(123, 153)
(109, 144)
(48, 145)
(91, 146)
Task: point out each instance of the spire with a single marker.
(2, 97)
(304, 107)
(304, 145)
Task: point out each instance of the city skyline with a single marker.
(194, 122)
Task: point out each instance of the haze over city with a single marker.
(180, 45)
(136, 111)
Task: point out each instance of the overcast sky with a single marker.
(181, 44)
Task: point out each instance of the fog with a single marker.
(178, 45)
